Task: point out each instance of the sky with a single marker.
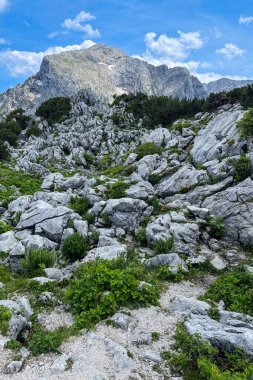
(212, 38)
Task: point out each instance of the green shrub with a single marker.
(80, 205)
(141, 236)
(196, 360)
(117, 190)
(245, 124)
(163, 246)
(43, 341)
(101, 287)
(148, 148)
(117, 170)
(4, 227)
(90, 218)
(5, 316)
(235, 289)
(18, 115)
(217, 227)
(33, 130)
(155, 203)
(106, 220)
(243, 168)
(36, 261)
(11, 126)
(75, 247)
(13, 344)
(8, 135)
(4, 152)
(88, 158)
(55, 110)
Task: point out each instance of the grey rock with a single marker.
(46, 297)
(183, 306)
(121, 359)
(142, 338)
(7, 241)
(218, 264)
(235, 207)
(126, 213)
(212, 141)
(54, 274)
(234, 331)
(39, 242)
(106, 253)
(25, 307)
(52, 181)
(171, 260)
(60, 364)
(13, 367)
(125, 322)
(17, 325)
(42, 280)
(183, 180)
(152, 356)
(81, 226)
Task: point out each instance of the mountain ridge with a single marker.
(106, 71)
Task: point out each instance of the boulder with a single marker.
(7, 241)
(126, 213)
(183, 180)
(232, 332)
(38, 242)
(234, 205)
(81, 226)
(185, 235)
(212, 142)
(106, 253)
(171, 260)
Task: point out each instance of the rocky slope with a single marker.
(173, 195)
(106, 71)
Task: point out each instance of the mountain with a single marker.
(225, 84)
(106, 71)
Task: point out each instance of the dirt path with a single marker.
(109, 352)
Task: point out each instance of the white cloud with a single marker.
(174, 52)
(245, 20)
(79, 24)
(218, 34)
(209, 77)
(22, 63)
(4, 5)
(3, 41)
(171, 47)
(230, 51)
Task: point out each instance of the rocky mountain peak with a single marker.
(106, 71)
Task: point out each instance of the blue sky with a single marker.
(211, 38)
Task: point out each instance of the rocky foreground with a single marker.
(177, 196)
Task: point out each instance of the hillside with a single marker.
(126, 228)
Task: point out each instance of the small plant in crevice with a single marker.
(217, 227)
(141, 236)
(5, 316)
(242, 167)
(4, 227)
(148, 148)
(163, 245)
(117, 190)
(80, 205)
